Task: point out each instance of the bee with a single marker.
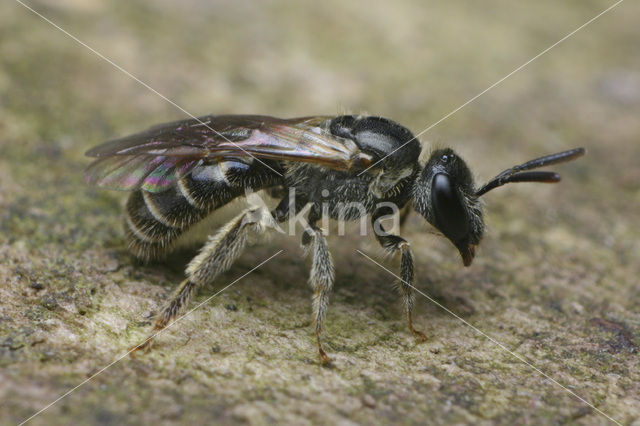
(181, 172)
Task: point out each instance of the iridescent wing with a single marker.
(152, 160)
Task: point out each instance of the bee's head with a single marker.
(444, 194)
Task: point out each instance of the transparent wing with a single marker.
(153, 159)
(128, 172)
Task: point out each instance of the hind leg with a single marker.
(216, 257)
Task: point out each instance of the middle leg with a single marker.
(321, 279)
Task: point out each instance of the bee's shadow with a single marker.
(357, 283)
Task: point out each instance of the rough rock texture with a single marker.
(556, 280)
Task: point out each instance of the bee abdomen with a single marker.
(154, 221)
(149, 235)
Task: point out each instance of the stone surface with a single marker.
(555, 282)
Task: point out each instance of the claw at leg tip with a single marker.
(324, 358)
(420, 337)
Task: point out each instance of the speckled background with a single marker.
(556, 279)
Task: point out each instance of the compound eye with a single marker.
(449, 211)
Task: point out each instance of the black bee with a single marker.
(343, 167)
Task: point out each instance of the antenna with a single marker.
(519, 173)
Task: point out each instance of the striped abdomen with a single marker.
(154, 221)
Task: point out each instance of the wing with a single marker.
(152, 160)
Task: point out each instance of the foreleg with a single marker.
(404, 215)
(396, 244)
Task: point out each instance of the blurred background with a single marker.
(556, 278)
